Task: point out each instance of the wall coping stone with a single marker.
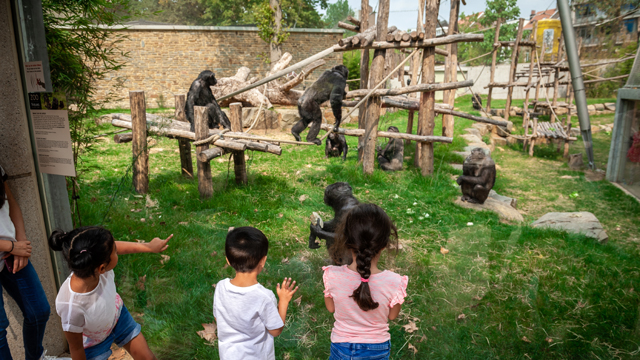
(205, 28)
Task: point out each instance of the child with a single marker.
(245, 311)
(93, 315)
(362, 297)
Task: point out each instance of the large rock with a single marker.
(599, 107)
(498, 140)
(508, 128)
(483, 128)
(505, 199)
(610, 106)
(288, 117)
(497, 205)
(473, 131)
(471, 138)
(582, 222)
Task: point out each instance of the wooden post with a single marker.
(426, 116)
(525, 107)
(556, 80)
(373, 106)
(415, 80)
(496, 40)
(451, 69)
(139, 144)
(409, 126)
(514, 68)
(186, 164)
(240, 167)
(364, 74)
(539, 84)
(205, 184)
(534, 135)
(566, 142)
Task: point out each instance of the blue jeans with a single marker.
(25, 288)
(351, 351)
(126, 329)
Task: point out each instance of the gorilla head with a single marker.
(393, 129)
(335, 194)
(342, 70)
(208, 77)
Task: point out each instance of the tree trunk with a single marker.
(364, 73)
(275, 49)
(451, 69)
(427, 113)
(139, 146)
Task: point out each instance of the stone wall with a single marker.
(163, 60)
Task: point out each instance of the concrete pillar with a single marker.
(17, 159)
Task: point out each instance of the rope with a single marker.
(211, 139)
(393, 72)
(478, 57)
(255, 121)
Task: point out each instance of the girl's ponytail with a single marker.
(57, 240)
(365, 230)
(84, 249)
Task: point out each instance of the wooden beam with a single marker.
(355, 21)
(348, 26)
(429, 42)
(184, 146)
(139, 145)
(122, 138)
(240, 166)
(205, 183)
(389, 134)
(607, 79)
(424, 88)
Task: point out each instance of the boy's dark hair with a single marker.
(84, 249)
(366, 230)
(245, 247)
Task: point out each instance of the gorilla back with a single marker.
(200, 95)
(330, 86)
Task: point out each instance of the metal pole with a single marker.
(576, 79)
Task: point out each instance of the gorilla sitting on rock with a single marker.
(200, 95)
(478, 177)
(391, 158)
(330, 86)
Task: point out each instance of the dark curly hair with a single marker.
(366, 230)
(84, 249)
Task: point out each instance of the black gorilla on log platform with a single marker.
(200, 95)
(478, 177)
(330, 86)
(336, 145)
(391, 158)
(340, 197)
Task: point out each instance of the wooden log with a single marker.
(209, 154)
(406, 36)
(525, 106)
(354, 21)
(556, 79)
(239, 164)
(391, 37)
(416, 61)
(606, 79)
(451, 69)
(205, 183)
(349, 27)
(414, 36)
(184, 146)
(398, 35)
(428, 42)
(139, 142)
(364, 72)
(492, 74)
(373, 105)
(534, 135)
(425, 88)
(122, 138)
(388, 134)
(409, 126)
(514, 67)
(263, 147)
(367, 39)
(421, 36)
(426, 116)
(345, 42)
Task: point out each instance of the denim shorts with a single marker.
(126, 329)
(351, 351)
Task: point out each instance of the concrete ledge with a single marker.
(205, 28)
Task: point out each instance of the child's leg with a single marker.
(139, 349)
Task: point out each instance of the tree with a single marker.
(337, 12)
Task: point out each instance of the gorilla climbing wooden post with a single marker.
(186, 164)
(373, 106)
(426, 116)
(205, 183)
(139, 142)
(240, 166)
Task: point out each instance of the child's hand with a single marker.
(285, 293)
(158, 245)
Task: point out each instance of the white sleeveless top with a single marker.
(7, 229)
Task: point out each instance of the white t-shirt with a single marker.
(243, 315)
(7, 229)
(94, 314)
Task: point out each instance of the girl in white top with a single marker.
(92, 313)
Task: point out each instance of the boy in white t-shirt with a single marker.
(247, 313)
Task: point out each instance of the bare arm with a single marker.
(393, 313)
(76, 347)
(19, 262)
(285, 293)
(331, 306)
(154, 246)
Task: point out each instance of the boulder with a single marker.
(582, 222)
(473, 131)
(498, 206)
(508, 128)
(471, 138)
(505, 199)
(610, 106)
(482, 128)
(599, 107)
(481, 145)
(456, 166)
(498, 140)
(512, 140)
(575, 132)
(591, 108)
(288, 117)
(575, 161)
(500, 130)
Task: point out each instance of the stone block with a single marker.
(498, 140)
(509, 127)
(610, 106)
(582, 222)
(473, 131)
(482, 128)
(599, 107)
(511, 140)
(471, 138)
(500, 207)
(288, 117)
(483, 146)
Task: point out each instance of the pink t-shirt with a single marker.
(353, 325)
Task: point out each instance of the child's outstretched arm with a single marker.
(285, 294)
(156, 245)
(76, 347)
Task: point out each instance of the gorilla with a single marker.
(476, 100)
(478, 177)
(391, 158)
(340, 197)
(330, 86)
(336, 145)
(200, 95)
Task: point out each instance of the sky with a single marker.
(403, 13)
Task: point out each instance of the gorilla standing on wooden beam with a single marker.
(330, 86)
(200, 95)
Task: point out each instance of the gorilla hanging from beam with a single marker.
(330, 86)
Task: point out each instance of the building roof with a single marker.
(541, 15)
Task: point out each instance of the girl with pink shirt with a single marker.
(362, 297)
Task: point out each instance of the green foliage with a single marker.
(336, 12)
(351, 59)
(264, 16)
(504, 9)
(609, 88)
(183, 12)
(79, 59)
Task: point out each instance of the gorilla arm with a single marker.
(217, 113)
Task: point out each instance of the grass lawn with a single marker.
(504, 290)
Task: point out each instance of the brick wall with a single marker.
(164, 60)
